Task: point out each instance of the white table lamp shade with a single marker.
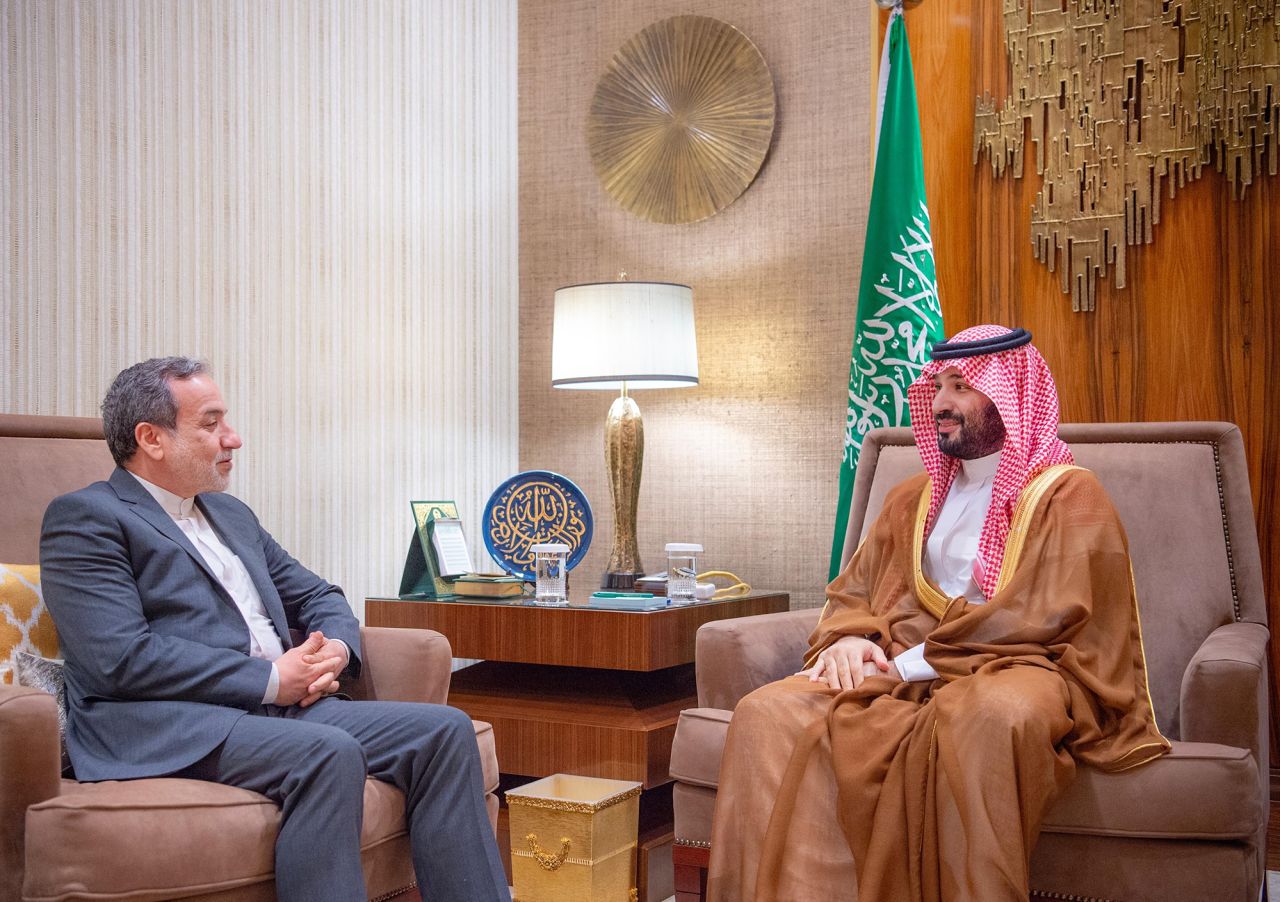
(608, 333)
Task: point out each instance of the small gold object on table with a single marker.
(574, 838)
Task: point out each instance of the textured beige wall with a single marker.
(746, 462)
(317, 197)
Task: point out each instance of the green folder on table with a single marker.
(627, 601)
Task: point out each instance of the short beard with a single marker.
(198, 475)
(203, 478)
(971, 441)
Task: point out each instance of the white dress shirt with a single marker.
(953, 547)
(264, 642)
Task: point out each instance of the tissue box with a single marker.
(574, 838)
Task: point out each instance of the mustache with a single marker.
(949, 418)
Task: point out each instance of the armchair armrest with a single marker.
(402, 665)
(30, 761)
(1224, 690)
(734, 657)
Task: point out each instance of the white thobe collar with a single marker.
(952, 546)
(980, 467)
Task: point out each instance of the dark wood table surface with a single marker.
(573, 689)
(575, 636)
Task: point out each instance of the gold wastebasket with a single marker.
(574, 838)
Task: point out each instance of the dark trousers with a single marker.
(313, 762)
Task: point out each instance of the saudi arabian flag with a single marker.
(898, 312)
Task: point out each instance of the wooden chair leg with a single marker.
(690, 863)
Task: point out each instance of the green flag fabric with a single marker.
(898, 314)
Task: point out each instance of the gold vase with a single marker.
(624, 457)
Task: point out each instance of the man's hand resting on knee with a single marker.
(845, 663)
(310, 671)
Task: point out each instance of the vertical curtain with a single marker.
(317, 197)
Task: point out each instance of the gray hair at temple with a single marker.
(140, 394)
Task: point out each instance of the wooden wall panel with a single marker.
(1194, 336)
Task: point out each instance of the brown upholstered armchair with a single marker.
(1189, 826)
(158, 839)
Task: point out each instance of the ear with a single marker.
(148, 438)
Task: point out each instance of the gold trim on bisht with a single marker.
(933, 600)
(1122, 763)
(928, 594)
(1028, 502)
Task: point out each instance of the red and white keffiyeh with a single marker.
(1020, 385)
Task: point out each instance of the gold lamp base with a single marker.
(624, 458)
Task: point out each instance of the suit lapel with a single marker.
(131, 492)
(239, 534)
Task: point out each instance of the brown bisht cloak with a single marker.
(935, 790)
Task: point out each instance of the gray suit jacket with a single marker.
(158, 667)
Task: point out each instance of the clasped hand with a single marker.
(309, 671)
(845, 663)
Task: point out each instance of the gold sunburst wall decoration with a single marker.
(1122, 98)
(682, 119)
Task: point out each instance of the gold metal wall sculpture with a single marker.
(681, 119)
(1122, 96)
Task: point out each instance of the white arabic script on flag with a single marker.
(889, 355)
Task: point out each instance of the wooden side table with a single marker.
(578, 689)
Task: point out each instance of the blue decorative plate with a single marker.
(530, 508)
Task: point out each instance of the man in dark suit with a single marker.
(174, 606)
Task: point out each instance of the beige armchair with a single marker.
(1189, 826)
(156, 839)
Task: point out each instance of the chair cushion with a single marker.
(694, 810)
(1199, 790)
(698, 745)
(120, 839)
(124, 839)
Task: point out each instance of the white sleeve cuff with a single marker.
(273, 686)
(348, 650)
(913, 667)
